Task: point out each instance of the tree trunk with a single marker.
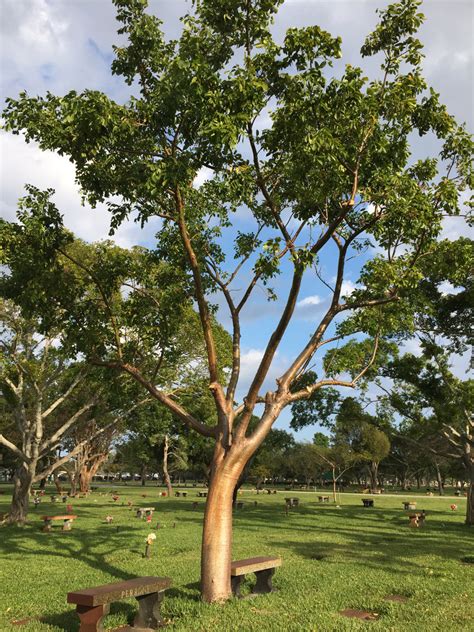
(85, 477)
(143, 475)
(373, 471)
(57, 483)
(334, 491)
(470, 496)
(166, 475)
(216, 554)
(73, 482)
(439, 479)
(22, 483)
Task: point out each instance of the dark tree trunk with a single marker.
(22, 483)
(143, 475)
(439, 479)
(373, 471)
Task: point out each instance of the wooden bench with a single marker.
(93, 604)
(368, 502)
(323, 499)
(67, 522)
(264, 569)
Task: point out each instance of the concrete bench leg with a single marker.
(67, 526)
(148, 615)
(91, 617)
(235, 583)
(264, 582)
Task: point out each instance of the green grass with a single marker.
(367, 554)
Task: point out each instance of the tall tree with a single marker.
(47, 395)
(334, 161)
(427, 393)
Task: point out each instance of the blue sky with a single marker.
(59, 45)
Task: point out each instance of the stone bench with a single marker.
(292, 502)
(264, 569)
(93, 604)
(367, 502)
(183, 494)
(145, 511)
(202, 494)
(417, 519)
(323, 499)
(409, 506)
(67, 522)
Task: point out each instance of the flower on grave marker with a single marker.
(150, 538)
(453, 507)
(109, 519)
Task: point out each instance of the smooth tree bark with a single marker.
(166, 476)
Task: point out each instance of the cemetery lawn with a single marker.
(333, 559)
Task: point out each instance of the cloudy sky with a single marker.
(60, 45)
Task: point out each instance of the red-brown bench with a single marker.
(93, 604)
(264, 569)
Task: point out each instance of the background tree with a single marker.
(426, 389)
(339, 459)
(47, 394)
(335, 160)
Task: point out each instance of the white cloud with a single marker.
(309, 300)
(27, 164)
(203, 175)
(455, 227)
(249, 362)
(347, 288)
(448, 288)
(412, 346)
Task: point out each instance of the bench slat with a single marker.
(70, 517)
(253, 564)
(108, 593)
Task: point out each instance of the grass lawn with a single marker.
(333, 559)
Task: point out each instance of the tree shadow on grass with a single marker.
(73, 544)
(393, 550)
(68, 620)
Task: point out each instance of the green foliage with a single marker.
(334, 157)
(355, 356)
(318, 408)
